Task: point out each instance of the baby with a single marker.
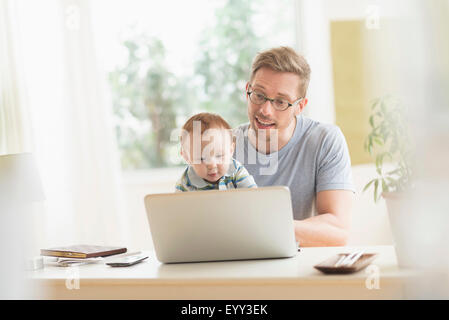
(207, 146)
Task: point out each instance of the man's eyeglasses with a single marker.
(280, 104)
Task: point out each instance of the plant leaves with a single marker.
(376, 185)
(394, 171)
(384, 186)
(383, 107)
(368, 185)
(378, 141)
(390, 135)
(376, 102)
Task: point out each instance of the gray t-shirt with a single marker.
(315, 159)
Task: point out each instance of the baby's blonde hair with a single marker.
(207, 120)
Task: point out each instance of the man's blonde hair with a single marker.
(284, 59)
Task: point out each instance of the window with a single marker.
(166, 61)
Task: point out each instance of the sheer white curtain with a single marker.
(71, 128)
(424, 87)
(12, 140)
(13, 133)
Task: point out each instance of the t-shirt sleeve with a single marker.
(243, 179)
(334, 164)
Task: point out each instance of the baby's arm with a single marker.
(179, 189)
(180, 186)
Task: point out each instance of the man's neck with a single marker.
(262, 143)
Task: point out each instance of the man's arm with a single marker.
(331, 226)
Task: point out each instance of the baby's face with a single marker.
(211, 155)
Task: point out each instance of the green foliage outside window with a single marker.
(227, 51)
(150, 101)
(147, 98)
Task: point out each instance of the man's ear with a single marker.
(301, 105)
(246, 90)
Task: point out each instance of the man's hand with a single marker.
(330, 227)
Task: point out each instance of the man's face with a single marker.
(274, 84)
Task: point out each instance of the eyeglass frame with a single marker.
(272, 100)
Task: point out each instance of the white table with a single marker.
(291, 278)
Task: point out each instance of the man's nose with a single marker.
(267, 108)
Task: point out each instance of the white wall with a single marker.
(370, 223)
(360, 9)
(313, 41)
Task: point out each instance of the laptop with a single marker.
(239, 224)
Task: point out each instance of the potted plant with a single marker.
(391, 144)
(389, 136)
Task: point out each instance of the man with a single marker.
(281, 147)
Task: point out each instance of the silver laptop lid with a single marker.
(222, 225)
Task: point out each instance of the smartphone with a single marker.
(126, 261)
